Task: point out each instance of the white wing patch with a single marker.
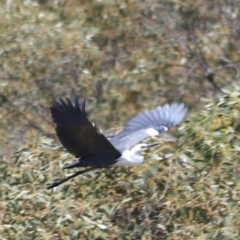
(152, 132)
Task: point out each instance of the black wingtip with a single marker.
(67, 111)
(76, 101)
(61, 101)
(69, 102)
(84, 103)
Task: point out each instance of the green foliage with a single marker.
(210, 141)
(189, 191)
(142, 53)
(124, 56)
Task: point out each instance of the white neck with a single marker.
(129, 158)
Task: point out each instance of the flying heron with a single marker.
(86, 142)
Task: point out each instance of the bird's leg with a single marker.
(56, 183)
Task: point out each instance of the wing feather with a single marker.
(76, 133)
(137, 129)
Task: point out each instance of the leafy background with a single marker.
(125, 57)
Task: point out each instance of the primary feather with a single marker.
(80, 137)
(149, 123)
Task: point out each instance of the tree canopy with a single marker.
(123, 57)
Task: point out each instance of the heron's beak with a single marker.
(151, 145)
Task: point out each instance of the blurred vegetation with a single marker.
(124, 56)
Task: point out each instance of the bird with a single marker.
(93, 150)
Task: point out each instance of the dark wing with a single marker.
(147, 124)
(76, 133)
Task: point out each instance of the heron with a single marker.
(93, 150)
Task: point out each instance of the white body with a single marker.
(131, 158)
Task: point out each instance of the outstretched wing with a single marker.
(148, 124)
(76, 133)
